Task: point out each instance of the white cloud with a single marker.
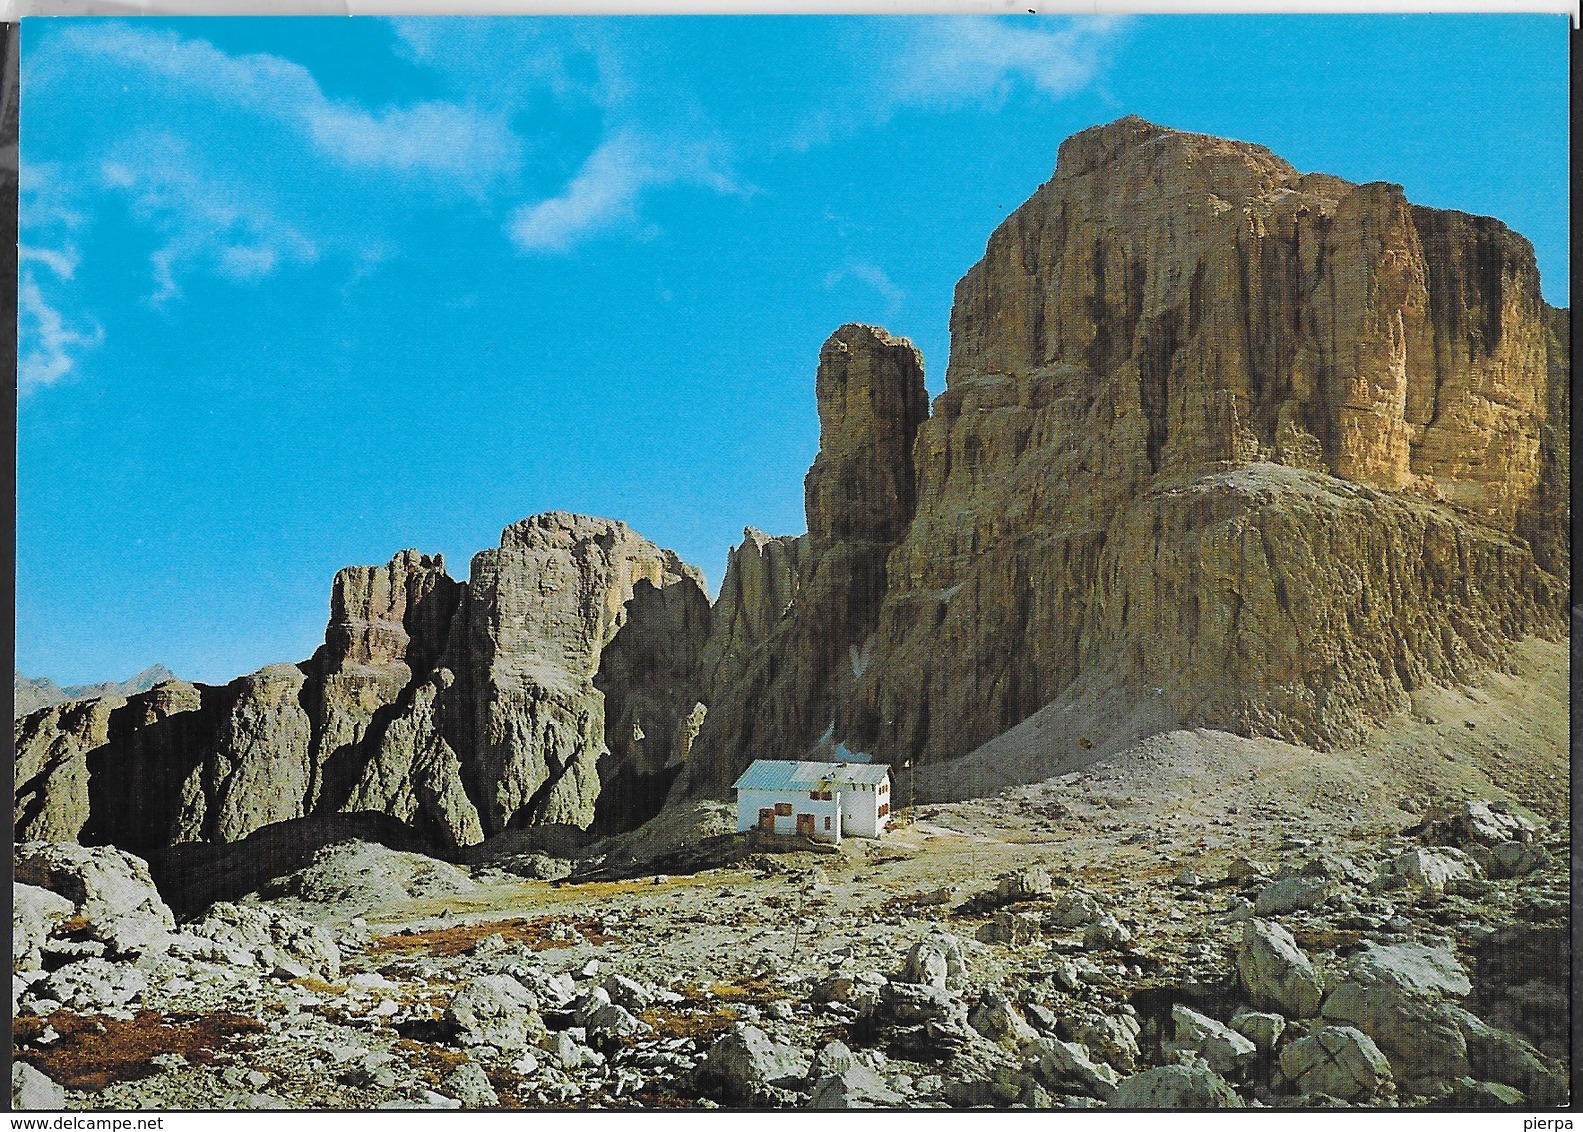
(950, 60)
(605, 191)
(457, 142)
(499, 61)
(62, 261)
(601, 194)
(47, 344)
(434, 137)
(872, 275)
(207, 222)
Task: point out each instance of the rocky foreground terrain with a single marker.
(1213, 620)
(1197, 920)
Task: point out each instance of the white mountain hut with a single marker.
(824, 801)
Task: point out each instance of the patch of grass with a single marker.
(701, 1025)
(433, 1063)
(315, 985)
(758, 991)
(1327, 939)
(535, 935)
(95, 1051)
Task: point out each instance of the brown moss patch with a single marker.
(95, 1051)
(433, 1063)
(535, 935)
(701, 1025)
(509, 1086)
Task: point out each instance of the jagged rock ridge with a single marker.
(457, 708)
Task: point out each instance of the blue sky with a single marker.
(296, 294)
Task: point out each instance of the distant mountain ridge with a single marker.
(34, 692)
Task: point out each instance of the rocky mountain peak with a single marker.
(871, 397)
(1134, 141)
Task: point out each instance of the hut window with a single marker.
(783, 809)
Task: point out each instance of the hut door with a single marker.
(805, 825)
(767, 819)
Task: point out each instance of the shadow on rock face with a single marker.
(193, 875)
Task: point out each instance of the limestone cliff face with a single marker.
(456, 708)
(776, 699)
(1265, 444)
(762, 577)
(540, 612)
(651, 676)
(52, 744)
(1546, 522)
(1266, 448)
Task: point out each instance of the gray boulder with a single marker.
(495, 1010)
(1075, 909)
(614, 1024)
(1222, 1048)
(1023, 884)
(1176, 1086)
(271, 939)
(1105, 934)
(1066, 1067)
(1262, 1029)
(1014, 929)
(1515, 859)
(745, 1062)
(915, 1002)
(108, 888)
(856, 1086)
(1477, 823)
(1502, 1057)
(997, 1019)
(1114, 1040)
(1275, 972)
(35, 912)
(934, 960)
(1413, 967)
(1398, 996)
(1338, 1061)
(469, 1084)
(569, 1052)
(1427, 870)
(628, 992)
(834, 1058)
(1292, 894)
(31, 1091)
